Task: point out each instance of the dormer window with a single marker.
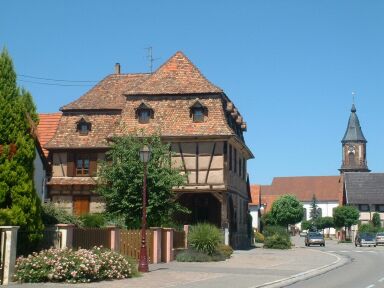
(83, 126)
(144, 112)
(198, 111)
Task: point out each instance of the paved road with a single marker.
(245, 269)
(364, 270)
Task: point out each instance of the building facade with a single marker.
(203, 126)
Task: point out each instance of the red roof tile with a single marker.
(47, 128)
(176, 76)
(255, 195)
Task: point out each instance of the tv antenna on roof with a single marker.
(150, 59)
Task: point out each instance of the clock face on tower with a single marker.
(351, 148)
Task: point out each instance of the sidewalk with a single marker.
(251, 268)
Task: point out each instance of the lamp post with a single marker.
(145, 154)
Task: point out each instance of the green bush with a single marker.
(277, 241)
(276, 237)
(96, 220)
(54, 215)
(204, 238)
(65, 265)
(192, 255)
(225, 250)
(259, 238)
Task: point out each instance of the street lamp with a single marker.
(145, 155)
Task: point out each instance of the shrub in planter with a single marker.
(204, 238)
(259, 238)
(277, 241)
(224, 250)
(191, 255)
(66, 265)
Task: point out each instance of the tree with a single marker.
(121, 181)
(287, 210)
(314, 213)
(345, 216)
(19, 203)
(376, 220)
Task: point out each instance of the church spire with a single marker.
(354, 146)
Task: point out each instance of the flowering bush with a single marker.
(66, 265)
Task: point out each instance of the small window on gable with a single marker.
(198, 111)
(83, 126)
(144, 112)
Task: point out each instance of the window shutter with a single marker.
(93, 164)
(70, 164)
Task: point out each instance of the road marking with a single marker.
(381, 280)
(370, 286)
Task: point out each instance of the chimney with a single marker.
(117, 68)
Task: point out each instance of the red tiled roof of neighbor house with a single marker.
(178, 75)
(72, 181)
(47, 127)
(108, 93)
(255, 195)
(325, 188)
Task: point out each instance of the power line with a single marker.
(57, 80)
(56, 84)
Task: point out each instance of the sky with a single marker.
(290, 67)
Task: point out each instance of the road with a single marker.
(364, 270)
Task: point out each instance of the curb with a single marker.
(340, 261)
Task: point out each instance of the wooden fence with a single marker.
(130, 243)
(2, 254)
(178, 239)
(89, 237)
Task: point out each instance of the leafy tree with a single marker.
(314, 213)
(267, 220)
(19, 203)
(376, 220)
(306, 225)
(345, 216)
(287, 210)
(121, 181)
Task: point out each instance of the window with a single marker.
(198, 115)
(319, 212)
(244, 169)
(144, 112)
(198, 111)
(83, 126)
(240, 166)
(305, 214)
(235, 161)
(82, 165)
(380, 208)
(230, 157)
(364, 207)
(144, 116)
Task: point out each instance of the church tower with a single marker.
(354, 146)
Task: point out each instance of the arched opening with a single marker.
(352, 161)
(204, 207)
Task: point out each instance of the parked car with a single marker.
(380, 238)
(314, 238)
(365, 239)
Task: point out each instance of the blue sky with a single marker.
(289, 66)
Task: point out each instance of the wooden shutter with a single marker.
(70, 164)
(93, 164)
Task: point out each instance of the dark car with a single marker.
(314, 238)
(365, 239)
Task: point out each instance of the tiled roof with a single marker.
(72, 181)
(364, 188)
(325, 188)
(108, 93)
(47, 127)
(172, 117)
(255, 195)
(67, 135)
(176, 76)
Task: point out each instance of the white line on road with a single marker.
(381, 280)
(370, 286)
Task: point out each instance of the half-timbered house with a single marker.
(202, 124)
